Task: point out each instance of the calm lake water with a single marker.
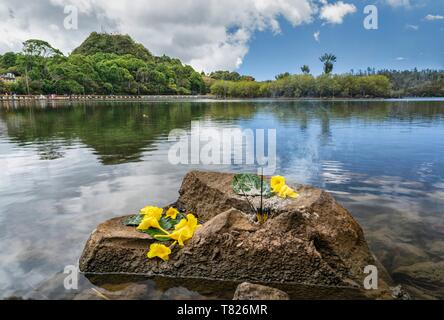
(64, 168)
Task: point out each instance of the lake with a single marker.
(65, 167)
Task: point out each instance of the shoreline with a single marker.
(166, 98)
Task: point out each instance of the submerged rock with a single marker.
(427, 276)
(309, 240)
(249, 291)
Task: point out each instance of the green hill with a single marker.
(117, 44)
(102, 64)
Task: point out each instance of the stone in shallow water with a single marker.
(427, 276)
(308, 240)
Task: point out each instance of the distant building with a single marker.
(8, 77)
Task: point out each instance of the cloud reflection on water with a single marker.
(387, 169)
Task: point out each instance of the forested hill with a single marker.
(107, 43)
(102, 64)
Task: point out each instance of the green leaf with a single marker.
(166, 224)
(154, 232)
(250, 185)
(133, 221)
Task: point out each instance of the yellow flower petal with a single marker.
(172, 213)
(184, 230)
(282, 190)
(276, 183)
(192, 221)
(180, 235)
(159, 250)
(292, 194)
(181, 224)
(150, 211)
(150, 222)
(286, 191)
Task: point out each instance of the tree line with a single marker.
(115, 64)
(362, 84)
(306, 85)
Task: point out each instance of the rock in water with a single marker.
(309, 240)
(249, 291)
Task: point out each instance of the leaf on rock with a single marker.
(166, 224)
(133, 221)
(250, 185)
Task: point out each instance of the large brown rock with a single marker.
(308, 240)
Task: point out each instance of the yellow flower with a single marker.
(180, 235)
(172, 213)
(277, 182)
(150, 222)
(150, 211)
(159, 250)
(278, 186)
(184, 230)
(286, 191)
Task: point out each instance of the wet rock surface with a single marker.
(310, 240)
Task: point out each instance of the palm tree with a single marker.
(305, 69)
(328, 60)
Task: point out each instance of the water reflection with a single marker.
(65, 168)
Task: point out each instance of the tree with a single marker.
(282, 76)
(9, 60)
(34, 47)
(328, 60)
(34, 53)
(305, 69)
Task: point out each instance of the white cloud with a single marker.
(398, 3)
(412, 27)
(400, 59)
(334, 13)
(208, 34)
(317, 36)
(432, 17)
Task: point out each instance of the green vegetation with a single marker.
(229, 76)
(368, 84)
(424, 83)
(305, 85)
(103, 64)
(328, 60)
(115, 64)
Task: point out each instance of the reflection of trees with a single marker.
(118, 133)
(360, 110)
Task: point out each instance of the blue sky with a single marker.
(257, 37)
(404, 40)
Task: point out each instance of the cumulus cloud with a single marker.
(334, 13)
(208, 34)
(398, 3)
(412, 27)
(433, 17)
